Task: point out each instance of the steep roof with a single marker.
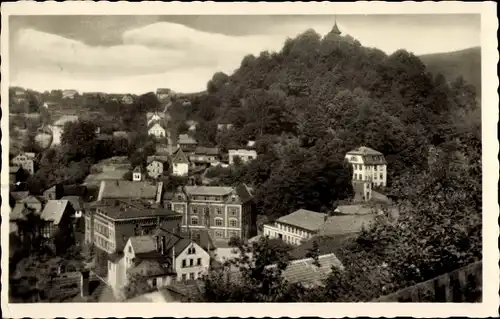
(347, 224)
(179, 157)
(129, 189)
(186, 139)
(336, 29)
(370, 156)
(305, 219)
(54, 210)
(75, 201)
(154, 122)
(244, 192)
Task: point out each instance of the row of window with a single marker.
(218, 221)
(191, 263)
(101, 229)
(103, 243)
(191, 276)
(207, 198)
(219, 210)
(360, 176)
(293, 230)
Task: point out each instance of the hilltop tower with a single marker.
(336, 29)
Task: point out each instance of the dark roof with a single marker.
(76, 201)
(335, 29)
(116, 256)
(179, 157)
(244, 193)
(206, 150)
(190, 289)
(186, 139)
(304, 219)
(142, 244)
(152, 267)
(126, 209)
(137, 169)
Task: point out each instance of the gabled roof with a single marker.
(75, 201)
(154, 123)
(54, 210)
(363, 150)
(305, 219)
(120, 209)
(29, 155)
(137, 169)
(19, 212)
(335, 29)
(179, 157)
(208, 190)
(244, 193)
(152, 267)
(142, 244)
(186, 139)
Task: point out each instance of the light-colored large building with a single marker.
(156, 129)
(245, 155)
(225, 212)
(156, 165)
(296, 227)
(368, 165)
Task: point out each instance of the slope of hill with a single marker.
(465, 63)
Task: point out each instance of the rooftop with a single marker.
(129, 189)
(206, 150)
(119, 209)
(363, 150)
(208, 190)
(186, 139)
(54, 210)
(66, 119)
(305, 219)
(348, 224)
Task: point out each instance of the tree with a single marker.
(79, 138)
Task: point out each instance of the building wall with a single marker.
(25, 162)
(377, 174)
(244, 155)
(180, 169)
(289, 234)
(192, 265)
(136, 176)
(155, 169)
(157, 131)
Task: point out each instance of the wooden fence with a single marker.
(461, 285)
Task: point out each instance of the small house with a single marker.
(57, 215)
(137, 174)
(180, 163)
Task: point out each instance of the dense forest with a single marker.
(309, 104)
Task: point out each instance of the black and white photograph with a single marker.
(225, 157)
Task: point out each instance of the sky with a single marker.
(138, 54)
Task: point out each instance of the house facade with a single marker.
(137, 174)
(155, 129)
(154, 117)
(156, 165)
(180, 163)
(57, 216)
(296, 227)
(368, 166)
(186, 143)
(225, 212)
(26, 161)
(245, 155)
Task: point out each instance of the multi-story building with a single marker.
(205, 156)
(26, 161)
(296, 227)
(245, 155)
(156, 129)
(140, 190)
(186, 143)
(224, 211)
(109, 223)
(368, 165)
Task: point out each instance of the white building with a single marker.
(156, 165)
(296, 227)
(245, 155)
(368, 166)
(137, 174)
(26, 161)
(154, 117)
(180, 163)
(155, 129)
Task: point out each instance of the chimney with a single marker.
(84, 283)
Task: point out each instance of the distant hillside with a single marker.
(466, 63)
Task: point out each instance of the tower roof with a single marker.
(336, 29)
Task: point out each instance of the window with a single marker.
(233, 223)
(218, 222)
(179, 197)
(218, 234)
(191, 276)
(233, 211)
(130, 249)
(154, 283)
(381, 176)
(218, 210)
(191, 251)
(207, 210)
(191, 263)
(194, 220)
(184, 263)
(183, 277)
(198, 262)
(194, 209)
(233, 198)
